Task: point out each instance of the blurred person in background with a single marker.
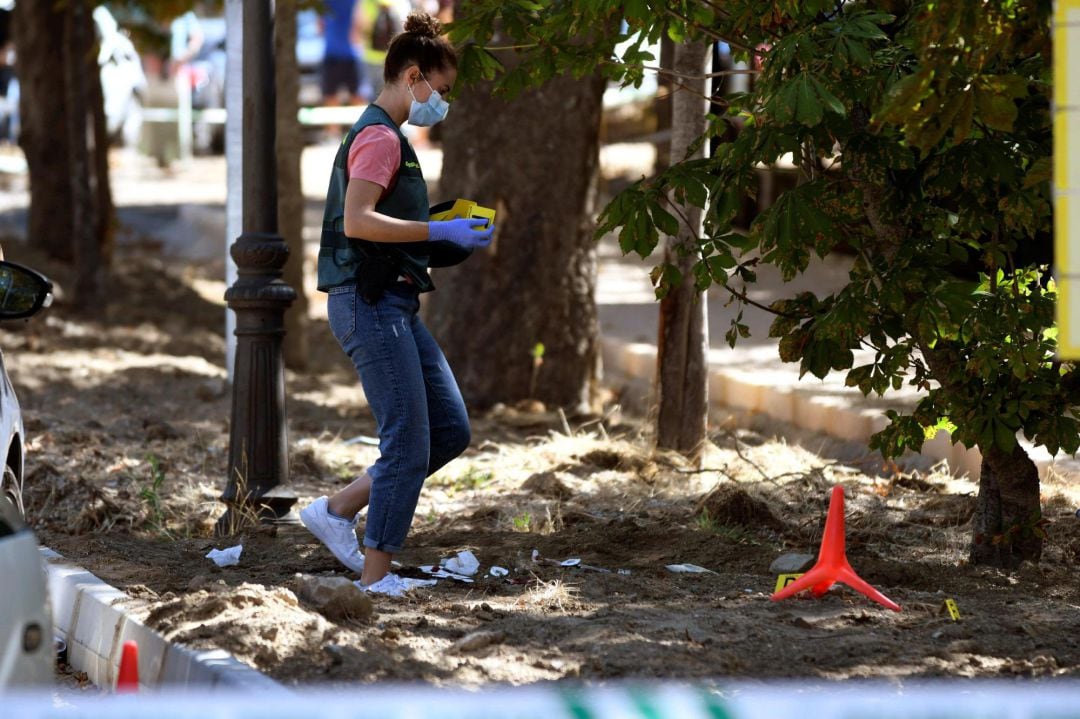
(343, 61)
(446, 11)
(186, 41)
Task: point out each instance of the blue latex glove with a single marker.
(462, 232)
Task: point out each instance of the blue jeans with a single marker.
(421, 417)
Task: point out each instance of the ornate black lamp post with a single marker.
(258, 449)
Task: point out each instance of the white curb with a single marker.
(91, 617)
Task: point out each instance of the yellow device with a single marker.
(462, 208)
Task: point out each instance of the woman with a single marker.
(377, 193)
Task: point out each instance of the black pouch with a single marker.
(375, 275)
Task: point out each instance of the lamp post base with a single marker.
(272, 509)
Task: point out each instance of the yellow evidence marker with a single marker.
(463, 208)
(785, 579)
(952, 609)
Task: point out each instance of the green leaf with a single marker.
(808, 107)
(664, 220)
(998, 111)
(1004, 438)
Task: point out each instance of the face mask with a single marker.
(426, 114)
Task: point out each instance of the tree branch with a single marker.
(681, 75)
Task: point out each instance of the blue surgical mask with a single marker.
(426, 114)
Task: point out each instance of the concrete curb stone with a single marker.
(802, 405)
(94, 619)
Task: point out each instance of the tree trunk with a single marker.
(104, 211)
(665, 87)
(44, 134)
(1007, 527)
(534, 160)
(77, 46)
(289, 144)
(682, 356)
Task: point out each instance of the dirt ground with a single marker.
(127, 423)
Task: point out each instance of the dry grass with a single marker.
(547, 597)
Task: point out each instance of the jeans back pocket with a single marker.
(341, 310)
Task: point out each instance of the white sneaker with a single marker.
(339, 535)
(394, 586)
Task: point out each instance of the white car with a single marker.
(123, 82)
(27, 652)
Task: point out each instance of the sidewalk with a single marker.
(751, 377)
(183, 208)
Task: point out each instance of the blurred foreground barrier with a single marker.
(944, 700)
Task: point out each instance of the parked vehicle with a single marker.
(123, 82)
(27, 652)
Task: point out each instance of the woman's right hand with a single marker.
(465, 233)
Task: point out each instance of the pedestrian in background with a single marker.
(343, 59)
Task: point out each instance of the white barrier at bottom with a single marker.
(964, 699)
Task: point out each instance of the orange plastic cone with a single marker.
(832, 564)
(127, 679)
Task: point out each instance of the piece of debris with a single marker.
(729, 505)
(441, 573)
(335, 598)
(688, 569)
(464, 563)
(792, 563)
(336, 652)
(211, 389)
(547, 484)
(158, 430)
(226, 557)
(496, 571)
(478, 640)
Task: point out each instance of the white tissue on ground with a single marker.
(497, 571)
(226, 557)
(443, 574)
(464, 563)
(688, 569)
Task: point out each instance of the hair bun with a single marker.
(420, 23)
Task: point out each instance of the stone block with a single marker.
(778, 403)
(849, 423)
(812, 413)
(743, 392)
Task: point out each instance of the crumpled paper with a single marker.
(441, 573)
(464, 563)
(688, 569)
(571, 562)
(497, 571)
(226, 557)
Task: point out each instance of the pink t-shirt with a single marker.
(375, 156)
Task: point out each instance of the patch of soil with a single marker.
(732, 504)
(127, 440)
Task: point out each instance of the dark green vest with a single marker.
(340, 257)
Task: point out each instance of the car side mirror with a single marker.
(22, 291)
